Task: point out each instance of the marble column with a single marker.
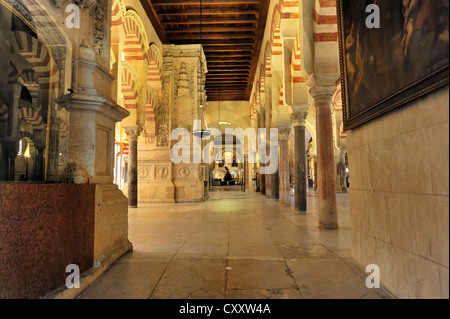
(300, 168)
(322, 96)
(133, 133)
(285, 186)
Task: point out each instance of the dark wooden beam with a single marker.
(210, 29)
(221, 56)
(229, 59)
(215, 69)
(209, 75)
(151, 13)
(205, 2)
(209, 12)
(230, 49)
(227, 43)
(224, 65)
(211, 36)
(264, 9)
(208, 21)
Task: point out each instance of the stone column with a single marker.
(247, 178)
(314, 159)
(4, 165)
(275, 177)
(38, 173)
(133, 134)
(12, 161)
(285, 186)
(300, 174)
(268, 176)
(322, 95)
(343, 182)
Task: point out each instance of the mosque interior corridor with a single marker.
(224, 149)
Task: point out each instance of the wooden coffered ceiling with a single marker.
(231, 32)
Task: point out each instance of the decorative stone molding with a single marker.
(299, 113)
(284, 132)
(322, 95)
(183, 172)
(162, 114)
(161, 172)
(99, 25)
(149, 138)
(83, 4)
(133, 132)
(23, 10)
(143, 172)
(183, 88)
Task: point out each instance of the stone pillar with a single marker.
(314, 159)
(262, 181)
(247, 178)
(343, 181)
(322, 95)
(38, 172)
(285, 186)
(133, 134)
(300, 168)
(4, 165)
(275, 177)
(12, 166)
(268, 176)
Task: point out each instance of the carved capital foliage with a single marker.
(283, 133)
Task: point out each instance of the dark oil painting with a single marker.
(387, 67)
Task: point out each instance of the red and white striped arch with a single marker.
(325, 21)
(32, 116)
(154, 65)
(130, 86)
(289, 9)
(136, 41)
(118, 11)
(275, 32)
(337, 101)
(151, 103)
(262, 79)
(281, 90)
(296, 64)
(37, 55)
(268, 61)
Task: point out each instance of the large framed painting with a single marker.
(385, 68)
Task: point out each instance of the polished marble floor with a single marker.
(235, 246)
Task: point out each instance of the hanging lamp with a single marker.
(199, 132)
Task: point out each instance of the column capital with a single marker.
(133, 132)
(323, 94)
(284, 131)
(299, 113)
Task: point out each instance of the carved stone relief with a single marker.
(162, 114)
(161, 172)
(183, 172)
(143, 172)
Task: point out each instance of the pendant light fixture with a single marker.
(200, 132)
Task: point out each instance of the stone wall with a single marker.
(44, 228)
(399, 197)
